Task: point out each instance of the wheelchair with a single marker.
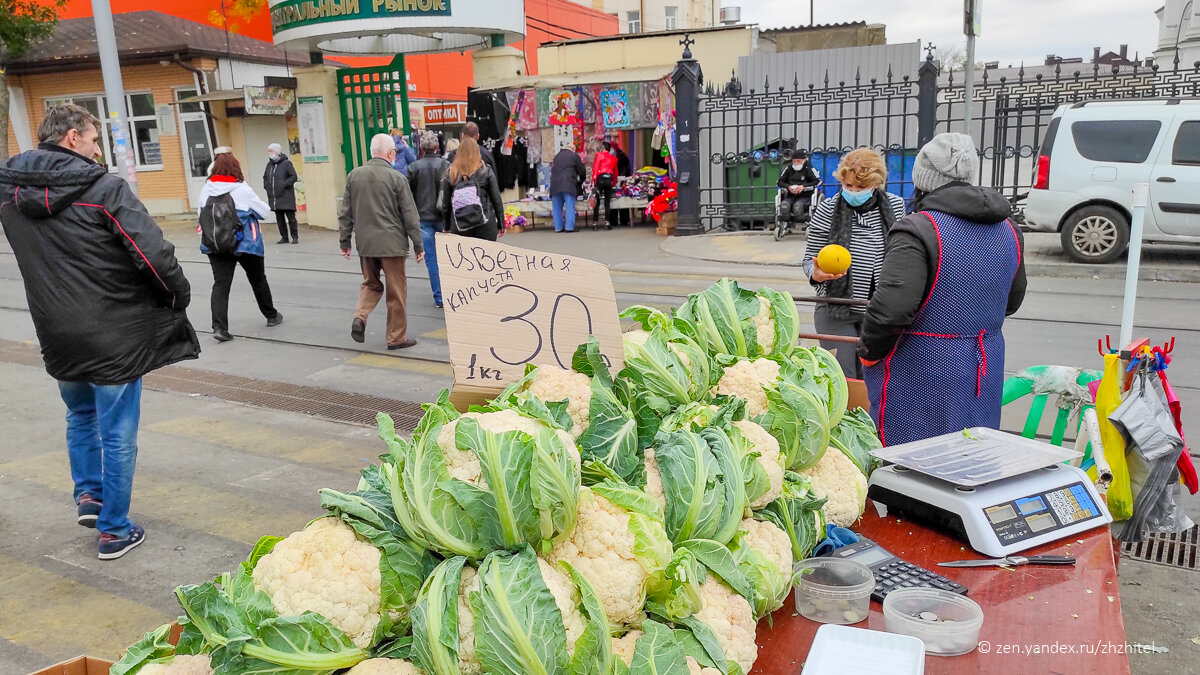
(783, 225)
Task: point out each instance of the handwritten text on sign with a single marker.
(507, 307)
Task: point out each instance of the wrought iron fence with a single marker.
(748, 134)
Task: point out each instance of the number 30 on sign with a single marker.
(507, 307)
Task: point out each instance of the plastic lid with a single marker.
(834, 578)
(975, 456)
(841, 650)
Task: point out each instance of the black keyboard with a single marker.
(901, 574)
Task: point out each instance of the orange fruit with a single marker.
(833, 259)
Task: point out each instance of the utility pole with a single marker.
(811, 20)
(972, 21)
(114, 91)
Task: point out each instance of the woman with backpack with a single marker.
(231, 236)
(471, 202)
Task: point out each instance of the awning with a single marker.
(560, 80)
(218, 95)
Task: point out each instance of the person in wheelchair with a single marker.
(796, 185)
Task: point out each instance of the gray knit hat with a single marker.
(945, 159)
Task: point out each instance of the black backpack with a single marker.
(219, 224)
(466, 206)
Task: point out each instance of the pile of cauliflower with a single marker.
(583, 521)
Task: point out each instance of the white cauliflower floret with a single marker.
(694, 668)
(623, 647)
(468, 660)
(601, 548)
(182, 664)
(767, 447)
(385, 667)
(837, 478)
(654, 484)
(764, 325)
(464, 465)
(566, 596)
(551, 383)
(770, 541)
(325, 568)
(731, 619)
(746, 379)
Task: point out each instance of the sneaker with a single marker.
(295, 241)
(113, 547)
(221, 335)
(275, 320)
(282, 241)
(358, 330)
(89, 510)
(437, 304)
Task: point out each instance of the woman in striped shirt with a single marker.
(857, 219)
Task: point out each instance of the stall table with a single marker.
(531, 209)
(1071, 614)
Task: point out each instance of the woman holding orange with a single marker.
(858, 220)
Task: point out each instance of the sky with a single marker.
(1013, 30)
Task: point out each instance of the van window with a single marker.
(1187, 144)
(1127, 141)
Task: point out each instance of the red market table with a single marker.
(1035, 619)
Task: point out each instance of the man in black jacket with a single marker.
(279, 180)
(107, 298)
(471, 130)
(425, 177)
(566, 177)
(797, 181)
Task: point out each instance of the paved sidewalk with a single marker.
(1043, 255)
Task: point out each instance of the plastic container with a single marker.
(841, 650)
(832, 590)
(948, 623)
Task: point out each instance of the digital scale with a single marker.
(1000, 492)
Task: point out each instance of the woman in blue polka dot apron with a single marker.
(931, 344)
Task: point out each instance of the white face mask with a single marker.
(271, 155)
(797, 165)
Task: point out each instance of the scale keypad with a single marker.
(901, 574)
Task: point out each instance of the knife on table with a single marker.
(1013, 560)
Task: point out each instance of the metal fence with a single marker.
(747, 132)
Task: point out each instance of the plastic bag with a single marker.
(1145, 422)
(1108, 399)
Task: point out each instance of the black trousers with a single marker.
(285, 220)
(846, 353)
(223, 266)
(604, 193)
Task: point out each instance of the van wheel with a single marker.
(1095, 234)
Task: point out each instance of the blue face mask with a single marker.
(856, 198)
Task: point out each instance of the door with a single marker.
(372, 101)
(1175, 180)
(197, 145)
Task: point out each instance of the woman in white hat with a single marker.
(931, 341)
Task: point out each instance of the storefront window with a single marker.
(143, 126)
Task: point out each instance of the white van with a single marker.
(1093, 154)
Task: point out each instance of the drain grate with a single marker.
(330, 404)
(1180, 549)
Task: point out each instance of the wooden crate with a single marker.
(666, 226)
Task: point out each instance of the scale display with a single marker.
(1033, 515)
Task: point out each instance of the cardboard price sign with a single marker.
(507, 307)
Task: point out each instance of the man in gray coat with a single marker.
(379, 203)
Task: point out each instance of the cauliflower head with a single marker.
(746, 379)
(764, 325)
(837, 479)
(694, 668)
(181, 664)
(767, 447)
(468, 660)
(566, 597)
(325, 568)
(624, 647)
(602, 549)
(385, 667)
(731, 619)
(770, 541)
(639, 337)
(551, 383)
(463, 463)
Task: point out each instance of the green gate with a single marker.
(367, 98)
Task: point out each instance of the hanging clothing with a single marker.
(942, 368)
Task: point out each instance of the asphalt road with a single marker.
(213, 476)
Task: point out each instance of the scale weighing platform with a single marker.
(1000, 492)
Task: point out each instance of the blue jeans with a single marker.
(562, 205)
(428, 228)
(102, 426)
